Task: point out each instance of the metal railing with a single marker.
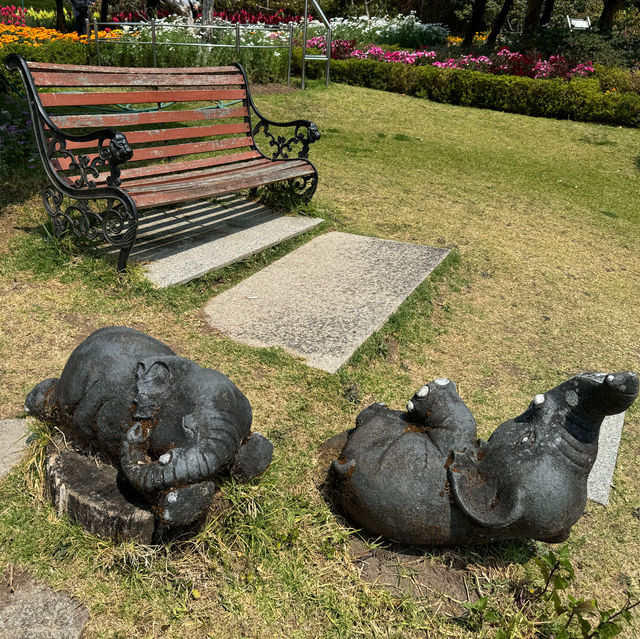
(155, 43)
(327, 54)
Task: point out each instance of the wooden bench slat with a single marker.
(224, 184)
(78, 68)
(219, 176)
(179, 133)
(202, 173)
(117, 120)
(82, 79)
(186, 165)
(138, 97)
(175, 150)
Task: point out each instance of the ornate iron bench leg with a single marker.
(116, 223)
(305, 186)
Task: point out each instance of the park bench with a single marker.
(115, 141)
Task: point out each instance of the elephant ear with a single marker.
(486, 497)
(154, 376)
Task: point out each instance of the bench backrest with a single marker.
(166, 114)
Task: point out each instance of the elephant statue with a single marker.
(422, 477)
(170, 425)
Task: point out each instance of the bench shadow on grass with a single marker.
(440, 574)
(161, 233)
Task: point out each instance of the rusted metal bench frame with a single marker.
(116, 223)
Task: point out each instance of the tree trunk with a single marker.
(61, 25)
(207, 18)
(609, 12)
(477, 14)
(547, 12)
(532, 17)
(104, 10)
(207, 11)
(499, 22)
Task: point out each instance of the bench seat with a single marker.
(115, 141)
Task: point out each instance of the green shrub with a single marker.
(60, 51)
(578, 99)
(261, 65)
(18, 152)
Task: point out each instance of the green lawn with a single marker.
(543, 282)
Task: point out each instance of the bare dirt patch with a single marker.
(406, 571)
(271, 88)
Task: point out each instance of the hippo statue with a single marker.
(170, 425)
(422, 477)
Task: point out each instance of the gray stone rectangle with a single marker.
(601, 476)
(13, 435)
(323, 300)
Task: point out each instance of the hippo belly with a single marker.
(398, 484)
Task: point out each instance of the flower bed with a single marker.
(37, 36)
(239, 17)
(401, 30)
(13, 15)
(505, 62)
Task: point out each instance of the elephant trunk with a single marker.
(179, 466)
(595, 398)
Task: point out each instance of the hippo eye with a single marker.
(528, 438)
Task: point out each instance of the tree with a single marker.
(498, 23)
(61, 24)
(547, 12)
(207, 11)
(477, 14)
(104, 10)
(609, 12)
(532, 16)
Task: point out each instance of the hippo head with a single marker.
(531, 475)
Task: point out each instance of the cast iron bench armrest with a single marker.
(305, 132)
(116, 153)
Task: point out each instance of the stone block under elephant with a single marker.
(422, 477)
(169, 426)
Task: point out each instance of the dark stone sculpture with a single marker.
(422, 477)
(169, 424)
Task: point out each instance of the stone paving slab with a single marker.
(323, 300)
(31, 610)
(601, 476)
(186, 242)
(13, 435)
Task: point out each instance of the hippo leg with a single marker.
(85, 415)
(438, 405)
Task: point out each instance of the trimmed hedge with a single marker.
(579, 99)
